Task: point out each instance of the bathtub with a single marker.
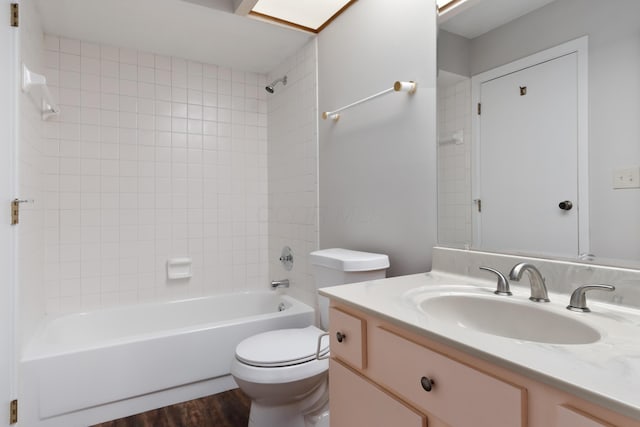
(86, 368)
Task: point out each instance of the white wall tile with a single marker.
(291, 159)
(128, 56)
(70, 62)
(90, 50)
(454, 191)
(109, 68)
(146, 59)
(70, 46)
(90, 99)
(127, 186)
(51, 42)
(127, 87)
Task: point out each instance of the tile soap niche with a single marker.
(179, 268)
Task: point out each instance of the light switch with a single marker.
(626, 177)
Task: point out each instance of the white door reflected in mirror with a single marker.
(528, 160)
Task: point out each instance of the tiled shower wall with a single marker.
(454, 160)
(151, 158)
(293, 170)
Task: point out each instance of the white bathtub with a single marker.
(86, 368)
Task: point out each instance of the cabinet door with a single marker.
(453, 392)
(358, 402)
(568, 417)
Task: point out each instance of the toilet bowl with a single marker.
(280, 371)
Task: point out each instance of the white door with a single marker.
(8, 84)
(529, 159)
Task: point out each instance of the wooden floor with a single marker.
(228, 409)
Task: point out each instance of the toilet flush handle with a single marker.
(319, 347)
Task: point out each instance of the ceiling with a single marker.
(209, 30)
(476, 17)
(200, 30)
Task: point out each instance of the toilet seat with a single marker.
(281, 348)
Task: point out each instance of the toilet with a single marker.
(279, 371)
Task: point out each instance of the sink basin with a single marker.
(509, 318)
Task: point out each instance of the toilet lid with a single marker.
(284, 347)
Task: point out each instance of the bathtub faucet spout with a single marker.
(284, 283)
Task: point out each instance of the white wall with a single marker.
(293, 170)
(454, 53)
(378, 163)
(152, 157)
(31, 235)
(614, 101)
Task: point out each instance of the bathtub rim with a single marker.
(31, 351)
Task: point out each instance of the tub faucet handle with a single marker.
(284, 283)
(503, 283)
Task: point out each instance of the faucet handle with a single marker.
(503, 283)
(578, 300)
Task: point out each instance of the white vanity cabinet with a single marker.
(382, 374)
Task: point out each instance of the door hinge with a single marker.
(13, 411)
(15, 210)
(15, 15)
(478, 203)
(479, 108)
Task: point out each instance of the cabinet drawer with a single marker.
(568, 417)
(348, 338)
(357, 402)
(460, 396)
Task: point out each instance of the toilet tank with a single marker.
(338, 266)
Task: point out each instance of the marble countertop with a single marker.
(606, 372)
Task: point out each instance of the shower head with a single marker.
(270, 87)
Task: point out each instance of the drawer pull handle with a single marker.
(427, 383)
(340, 336)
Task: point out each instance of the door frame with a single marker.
(8, 151)
(580, 46)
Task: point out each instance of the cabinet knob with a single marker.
(427, 383)
(340, 336)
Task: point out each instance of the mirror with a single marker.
(485, 34)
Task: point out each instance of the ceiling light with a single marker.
(308, 15)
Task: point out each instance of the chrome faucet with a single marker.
(284, 283)
(538, 287)
(578, 300)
